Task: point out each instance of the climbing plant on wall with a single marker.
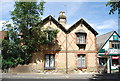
(24, 34)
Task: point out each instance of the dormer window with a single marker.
(50, 35)
(81, 39)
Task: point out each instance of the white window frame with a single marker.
(49, 61)
(81, 39)
(81, 61)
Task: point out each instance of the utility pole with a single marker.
(66, 56)
(66, 45)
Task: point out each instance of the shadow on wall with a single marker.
(50, 48)
(37, 60)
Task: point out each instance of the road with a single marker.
(45, 80)
(57, 80)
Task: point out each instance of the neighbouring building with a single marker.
(108, 46)
(75, 49)
(2, 36)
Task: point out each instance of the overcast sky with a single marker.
(95, 13)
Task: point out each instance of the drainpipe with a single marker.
(66, 56)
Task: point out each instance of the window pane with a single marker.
(81, 38)
(113, 45)
(118, 46)
(47, 61)
(81, 61)
(52, 61)
(77, 40)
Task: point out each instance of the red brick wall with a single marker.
(2, 34)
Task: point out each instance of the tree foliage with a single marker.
(114, 6)
(24, 35)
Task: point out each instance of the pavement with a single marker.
(45, 76)
(90, 76)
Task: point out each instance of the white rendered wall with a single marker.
(106, 46)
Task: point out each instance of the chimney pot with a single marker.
(62, 18)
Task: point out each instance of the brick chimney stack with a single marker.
(62, 18)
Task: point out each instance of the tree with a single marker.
(114, 6)
(24, 35)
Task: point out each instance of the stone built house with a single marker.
(75, 49)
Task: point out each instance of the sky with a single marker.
(95, 13)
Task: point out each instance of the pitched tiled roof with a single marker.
(50, 18)
(81, 21)
(102, 39)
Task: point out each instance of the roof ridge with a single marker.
(102, 39)
(81, 20)
(106, 33)
(50, 17)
